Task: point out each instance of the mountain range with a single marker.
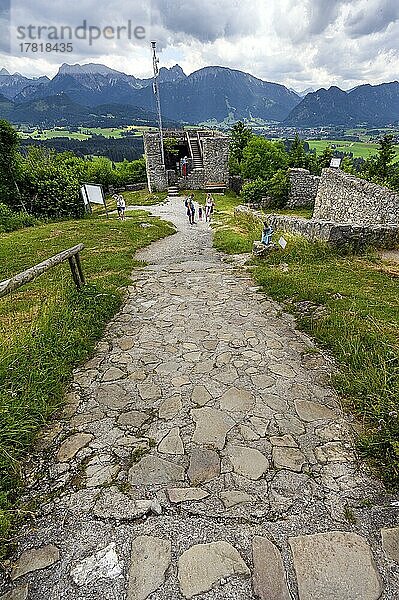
(79, 94)
(372, 105)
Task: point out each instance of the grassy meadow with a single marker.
(358, 149)
(47, 327)
(83, 133)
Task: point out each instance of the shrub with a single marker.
(278, 187)
(50, 184)
(11, 221)
(253, 192)
(263, 158)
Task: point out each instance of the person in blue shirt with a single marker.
(190, 206)
(267, 234)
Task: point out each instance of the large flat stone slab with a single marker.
(18, 593)
(212, 426)
(152, 470)
(113, 374)
(333, 452)
(232, 498)
(149, 391)
(204, 465)
(71, 446)
(133, 418)
(204, 565)
(200, 395)
(313, 411)
(236, 400)
(172, 443)
(335, 565)
(104, 564)
(390, 543)
(150, 559)
(170, 407)
(177, 495)
(99, 472)
(248, 462)
(35, 559)
(288, 458)
(269, 575)
(112, 395)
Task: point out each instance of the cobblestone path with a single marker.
(203, 454)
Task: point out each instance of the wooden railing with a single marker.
(72, 255)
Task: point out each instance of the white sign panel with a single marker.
(84, 196)
(283, 243)
(94, 193)
(335, 163)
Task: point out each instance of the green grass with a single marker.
(47, 328)
(358, 149)
(84, 133)
(144, 198)
(360, 327)
(48, 134)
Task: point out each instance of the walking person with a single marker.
(189, 204)
(192, 209)
(121, 207)
(184, 166)
(209, 205)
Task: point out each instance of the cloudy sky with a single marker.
(299, 43)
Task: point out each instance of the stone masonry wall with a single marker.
(216, 159)
(156, 171)
(303, 188)
(195, 180)
(347, 199)
(340, 235)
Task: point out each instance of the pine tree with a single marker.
(298, 157)
(241, 135)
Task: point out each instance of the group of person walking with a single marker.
(191, 209)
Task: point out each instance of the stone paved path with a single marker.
(203, 454)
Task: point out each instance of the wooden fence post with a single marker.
(72, 255)
(79, 265)
(75, 272)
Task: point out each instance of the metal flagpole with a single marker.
(155, 62)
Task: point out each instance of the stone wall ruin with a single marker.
(215, 162)
(344, 198)
(303, 188)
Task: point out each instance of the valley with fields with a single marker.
(199, 301)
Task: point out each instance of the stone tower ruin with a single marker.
(200, 161)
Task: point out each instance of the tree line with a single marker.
(46, 184)
(116, 149)
(264, 163)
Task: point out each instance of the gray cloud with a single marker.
(322, 14)
(307, 43)
(205, 21)
(372, 16)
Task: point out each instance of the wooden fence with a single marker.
(72, 255)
